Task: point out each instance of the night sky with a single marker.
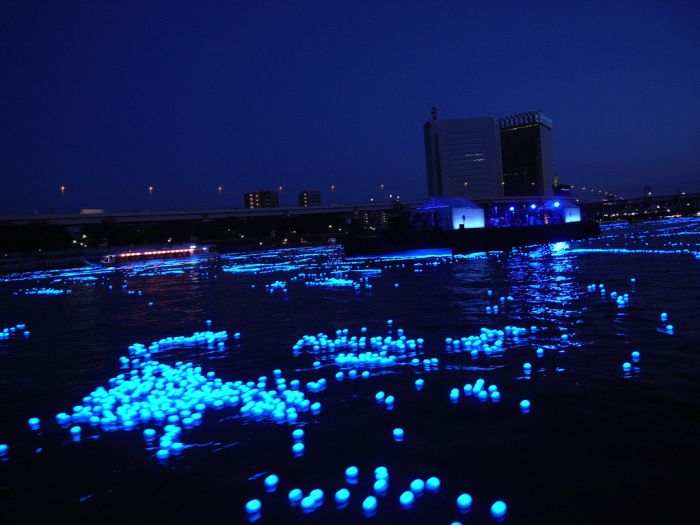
(109, 97)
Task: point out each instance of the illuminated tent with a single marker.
(450, 213)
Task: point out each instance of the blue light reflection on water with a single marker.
(584, 408)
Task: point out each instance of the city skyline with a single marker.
(128, 106)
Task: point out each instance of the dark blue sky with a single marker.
(109, 97)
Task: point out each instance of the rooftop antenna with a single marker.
(433, 113)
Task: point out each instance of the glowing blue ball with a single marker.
(419, 383)
(381, 473)
(527, 368)
(398, 434)
(369, 504)
(342, 496)
(381, 486)
(295, 496)
(626, 367)
(271, 481)
(635, 356)
(308, 504)
(432, 484)
(664, 316)
(149, 433)
(3, 449)
(464, 501)
(34, 422)
(317, 495)
(564, 337)
(253, 506)
(298, 449)
(495, 396)
(417, 486)
(525, 406)
(407, 498)
(498, 509)
(379, 396)
(540, 352)
(75, 430)
(163, 453)
(351, 472)
(482, 395)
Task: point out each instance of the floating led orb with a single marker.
(635, 356)
(381, 473)
(271, 482)
(317, 495)
(253, 506)
(298, 449)
(295, 496)
(351, 474)
(498, 510)
(626, 366)
(381, 486)
(342, 496)
(540, 352)
(308, 504)
(417, 486)
(3, 449)
(298, 434)
(464, 502)
(432, 484)
(406, 499)
(398, 434)
(34, 423)
(369, 505)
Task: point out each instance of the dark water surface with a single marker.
(599, 445)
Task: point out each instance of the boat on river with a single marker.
(171, 252)
(459, 225)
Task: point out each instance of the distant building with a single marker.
(526, 154)
(489, 157)
(463, 157)
(562, 189)
(309, 198)
(262, 199)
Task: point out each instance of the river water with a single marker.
(600, 443)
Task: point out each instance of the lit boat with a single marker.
(164, 253)
(459, 225)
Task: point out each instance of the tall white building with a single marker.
(463, 157)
